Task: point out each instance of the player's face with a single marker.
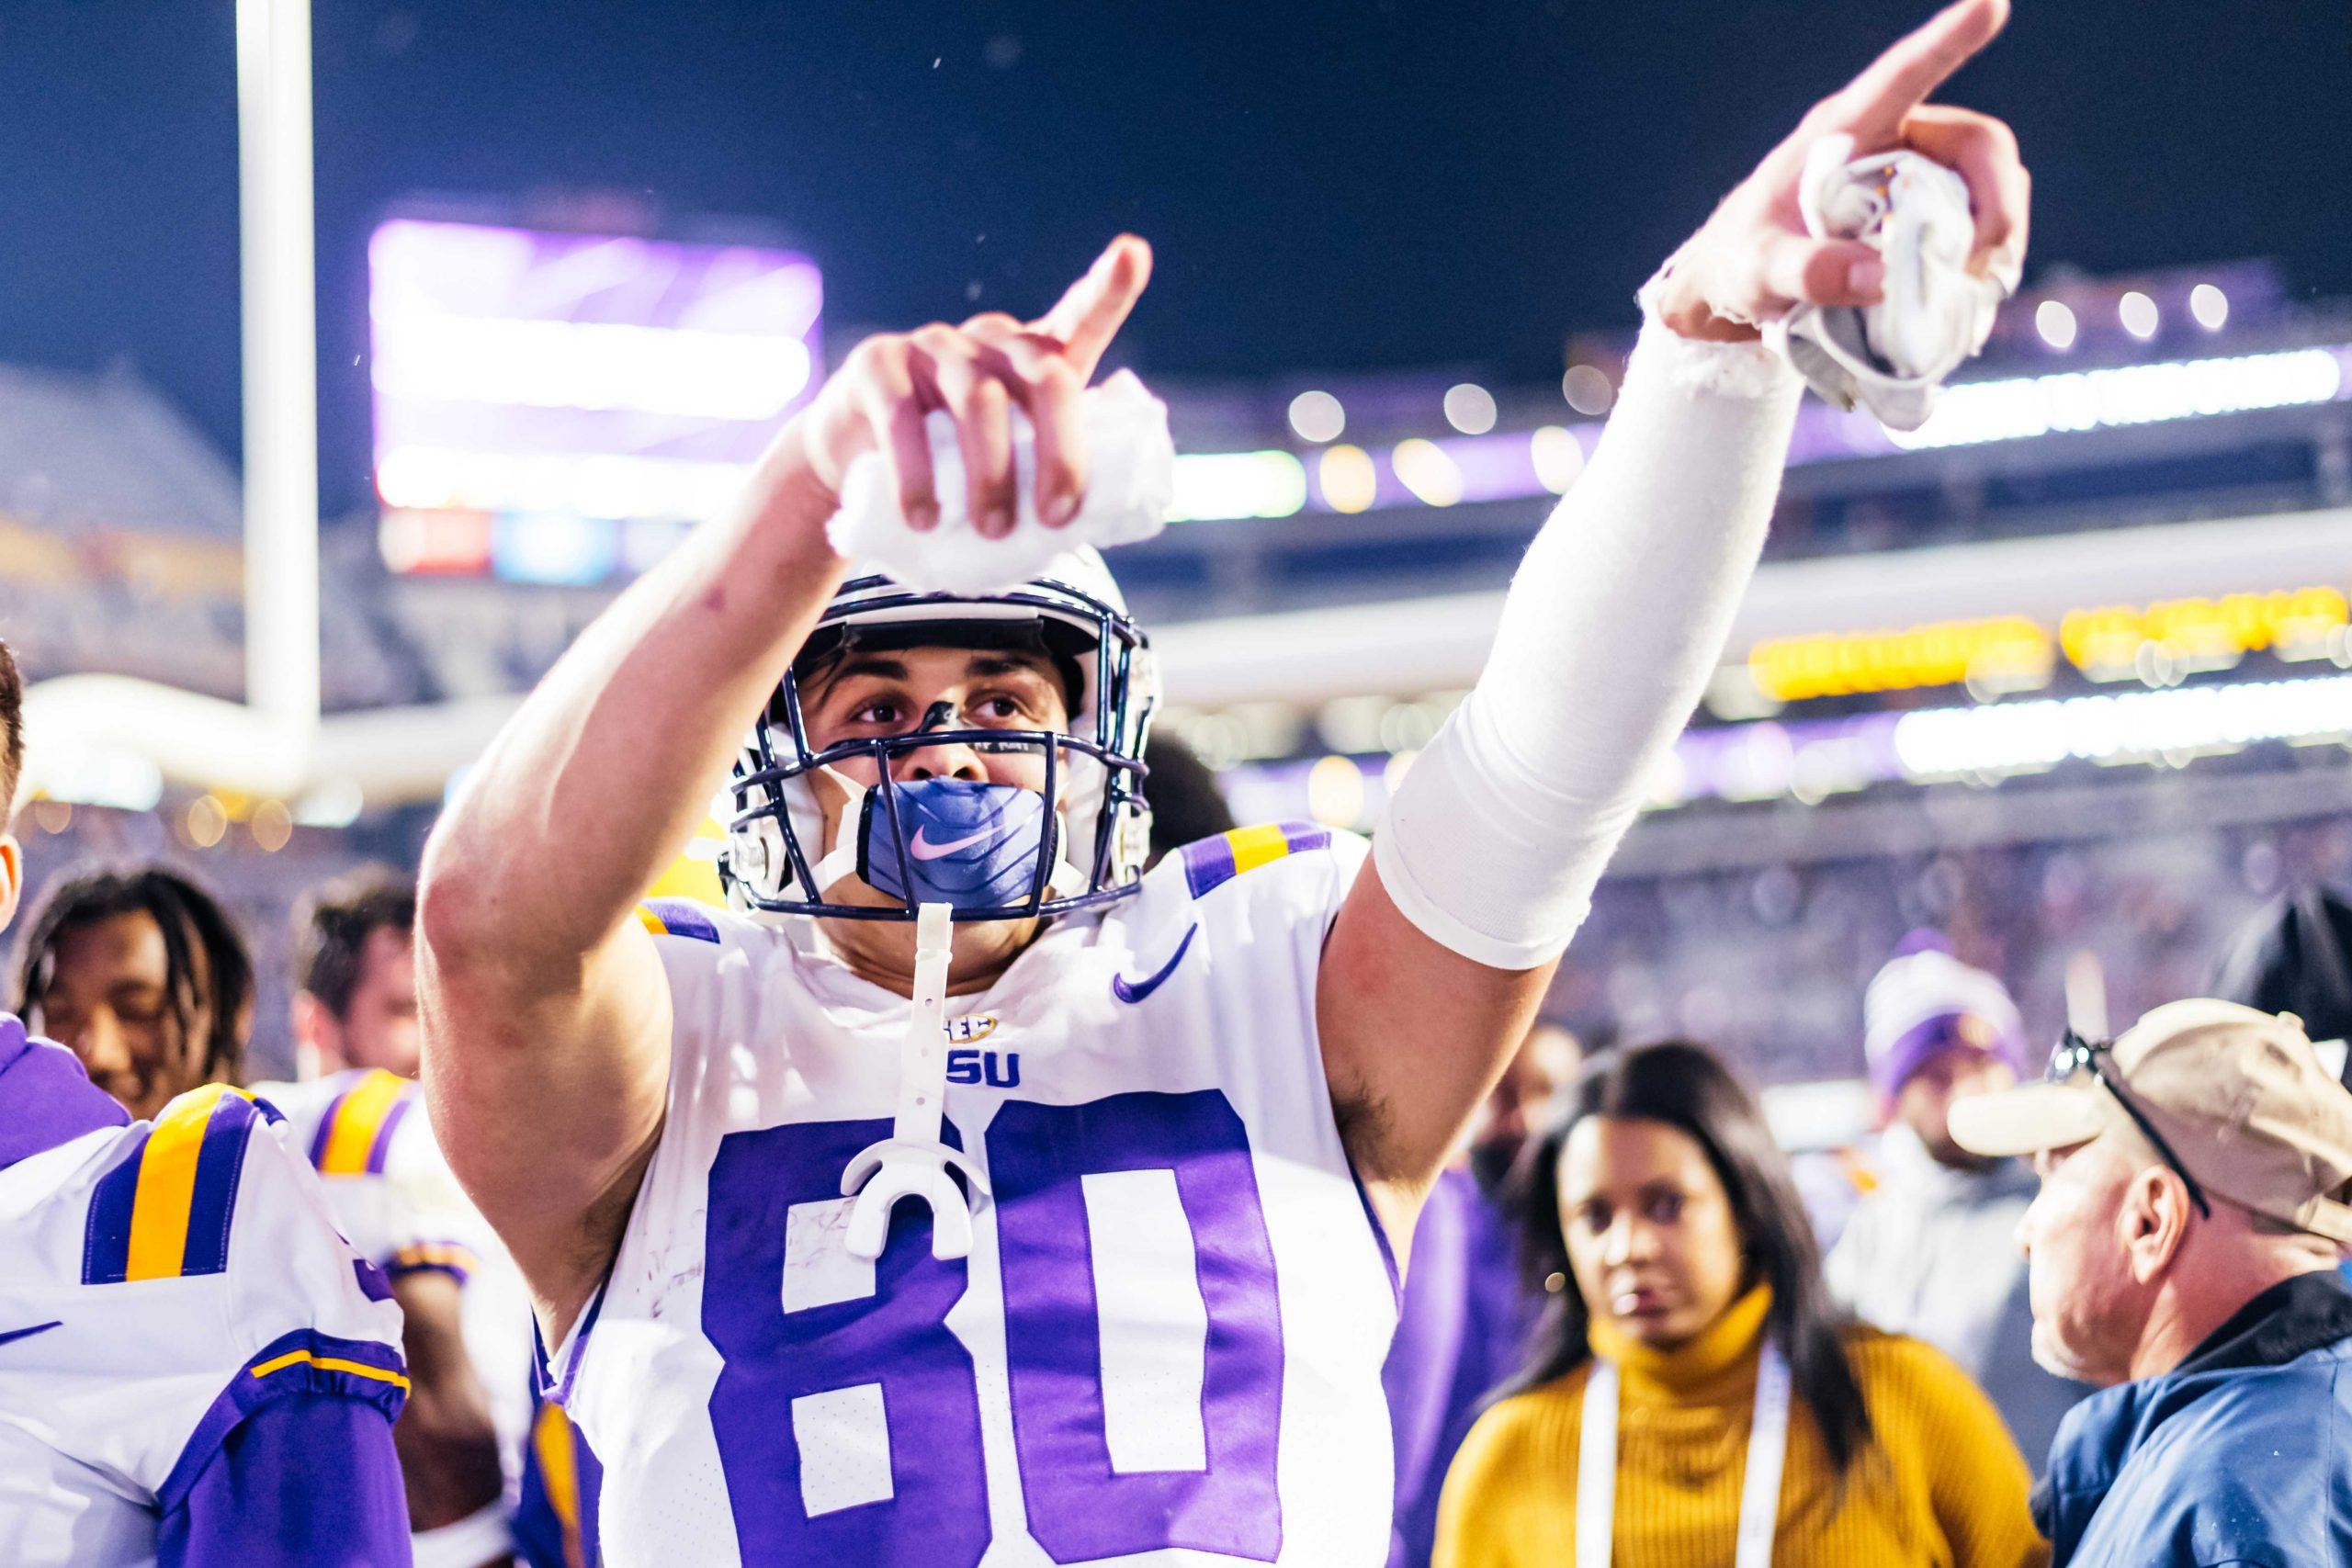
(108, 1000)
(880, 695)
(902, 692)
(1924, 1102)
(1650, 1233)
(379, 1029)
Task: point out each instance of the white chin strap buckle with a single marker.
(914, 1161)
(1890, 357)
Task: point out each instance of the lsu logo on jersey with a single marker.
(998, 1069)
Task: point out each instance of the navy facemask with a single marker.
(961, 842)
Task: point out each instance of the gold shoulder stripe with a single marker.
(166, 1190)
(359, 1117)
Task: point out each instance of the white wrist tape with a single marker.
(1495, 839)
(1131, 484)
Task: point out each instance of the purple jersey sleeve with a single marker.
(293, 1464)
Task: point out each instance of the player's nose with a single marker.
(99, 1040)
(948, 759)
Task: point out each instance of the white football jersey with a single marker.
(1165, 1346)
(161, 1280)
(392, 1192)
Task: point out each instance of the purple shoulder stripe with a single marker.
(318, 1150)
(1212, 863)
(219, 1163)
(302, 1363)
(106, 1238)
(683, 917)
(382, 1146)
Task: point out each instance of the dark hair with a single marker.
(191, 922)
(1686, 1088)
(336, 924)
(1187, 805)
(2296, 956)
(11, 732)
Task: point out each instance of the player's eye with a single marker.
(882, 710)
(999, 708)
(1593, 1215)
(1664, 1208)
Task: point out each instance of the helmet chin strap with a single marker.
(914, 1161)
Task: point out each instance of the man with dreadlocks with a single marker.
(139, 972)
(196, 1369)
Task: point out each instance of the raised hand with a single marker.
(978, 373)
(1753, 260)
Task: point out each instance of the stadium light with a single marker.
(1470, 408)
(2210, 306)
(1316, 416)
(2139, 315)
(2055, 323)
(2014, 410)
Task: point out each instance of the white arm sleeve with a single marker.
(1494, 841)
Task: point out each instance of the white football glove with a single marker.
(1131, 486)
(1890, 357)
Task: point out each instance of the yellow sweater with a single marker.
(1941, 1483)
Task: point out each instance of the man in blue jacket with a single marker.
(2183, 1252)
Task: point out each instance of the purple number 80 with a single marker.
(1108, 1466)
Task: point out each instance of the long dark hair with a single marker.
(219, 988)
(1686, 1088)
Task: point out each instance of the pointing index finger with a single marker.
(1917, 64)
(1087, 317)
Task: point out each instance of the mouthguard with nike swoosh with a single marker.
(1890, 358)
(962, 843)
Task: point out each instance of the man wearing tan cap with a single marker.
(2183, 1248)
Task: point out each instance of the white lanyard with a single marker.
(1759, 1497)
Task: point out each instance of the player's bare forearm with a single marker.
(447, 1443)
(545, 1011)
(595, 784)
(1413, 1036)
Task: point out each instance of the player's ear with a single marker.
(11, 876)
(318, 1043)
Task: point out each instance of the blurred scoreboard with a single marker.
(555, 407)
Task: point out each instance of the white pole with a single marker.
(281, 412)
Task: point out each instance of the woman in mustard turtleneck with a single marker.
(1696, 1402)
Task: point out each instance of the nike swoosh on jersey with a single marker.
(15, 1334)
(923, 849)
(1128, 990)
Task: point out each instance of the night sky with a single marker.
(1341, 187)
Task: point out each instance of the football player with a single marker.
(1164, 1134)
(196, 1369)
(142, 976)
(465, 1316)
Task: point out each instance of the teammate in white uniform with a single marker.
(1159, 1131)
(196, 1369)
(465, 1315)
